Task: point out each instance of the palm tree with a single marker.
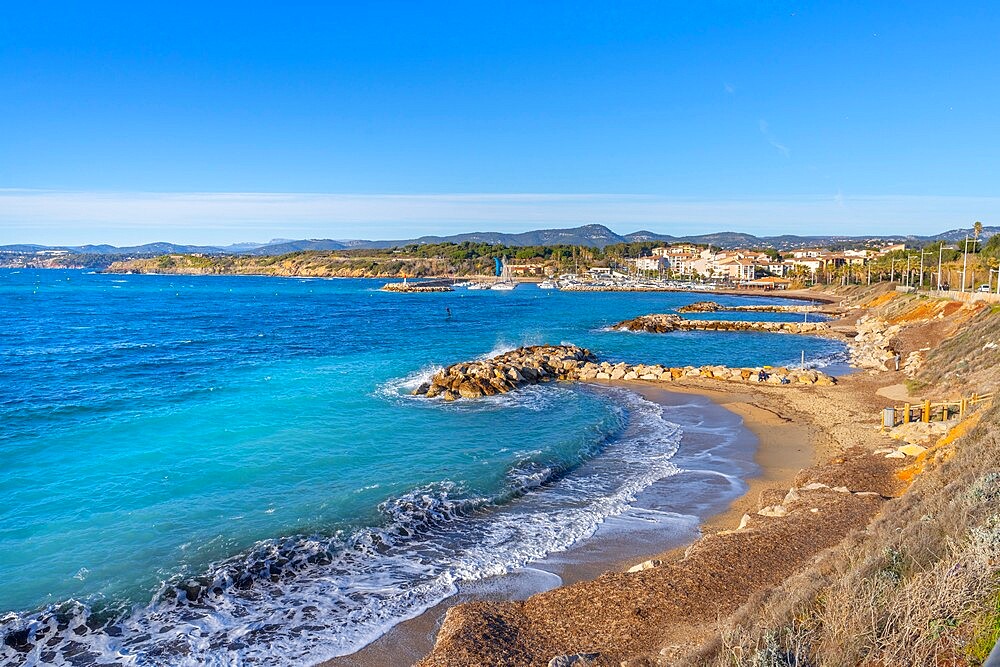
(977, 229)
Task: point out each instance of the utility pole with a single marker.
(965, 261)
(922, 252)
(940, 251)
(892, 270)
(908, 258)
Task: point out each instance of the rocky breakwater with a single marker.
(507, 371)
(712, 307)
(665, 323)
(414, 287)
(773, 375)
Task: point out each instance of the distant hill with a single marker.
(588, 235)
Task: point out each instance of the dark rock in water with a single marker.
(700, 307)
(192, 590)
(19, 640)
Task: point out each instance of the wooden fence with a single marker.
(927, 411)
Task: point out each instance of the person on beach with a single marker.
(896, 359)
(762, 376)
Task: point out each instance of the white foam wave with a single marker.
(303, 599)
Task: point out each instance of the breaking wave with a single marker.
(306, 598)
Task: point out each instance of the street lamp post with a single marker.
(922, 252)
(965, 261)
(940, 251)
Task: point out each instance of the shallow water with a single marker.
(247, 443)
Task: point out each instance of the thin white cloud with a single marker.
(729, 88)
(765, 129)
(64, 217)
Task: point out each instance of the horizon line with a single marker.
(29, 215)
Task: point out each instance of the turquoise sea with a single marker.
(229, 470)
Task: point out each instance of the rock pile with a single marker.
(658, 373)
(872, 346)
(664, 323)
(415, 287)
(712, 307)
(507, 371)
(543, 363)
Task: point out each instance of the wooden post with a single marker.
(927, 411)
(961, 409)
(906, 413)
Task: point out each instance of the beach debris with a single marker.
(645, 565)
(574, 660)
(667, 322)
(814, 486)
(921, 433)
(912, 450)
(773, 510)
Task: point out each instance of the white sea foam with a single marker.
(303, 599)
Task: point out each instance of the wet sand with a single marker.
(768, 451)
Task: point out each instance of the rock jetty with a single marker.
(777, 375)
(415, 287)
(543, 363)
(713, 307)
(507, 371)
(664, 323)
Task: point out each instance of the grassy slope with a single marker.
(921, 585)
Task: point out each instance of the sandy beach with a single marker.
(779, 445)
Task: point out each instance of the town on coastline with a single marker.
(959, 260)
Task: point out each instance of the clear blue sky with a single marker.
(125, 122)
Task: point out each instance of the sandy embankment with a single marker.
(783, 443)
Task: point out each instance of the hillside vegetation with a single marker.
(921, 584)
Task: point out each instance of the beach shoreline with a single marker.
(779, 446)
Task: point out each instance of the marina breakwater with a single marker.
(544, 363)
(416, 287)
(713, 307)
(665, 323)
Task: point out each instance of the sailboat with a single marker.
(505, 283)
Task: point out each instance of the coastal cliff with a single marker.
(302, 264)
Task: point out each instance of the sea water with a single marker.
(230, 470)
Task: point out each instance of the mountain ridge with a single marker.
(594, 235)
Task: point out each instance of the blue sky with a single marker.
(216, 122)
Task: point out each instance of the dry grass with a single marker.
(968, 360)
(921, 586)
